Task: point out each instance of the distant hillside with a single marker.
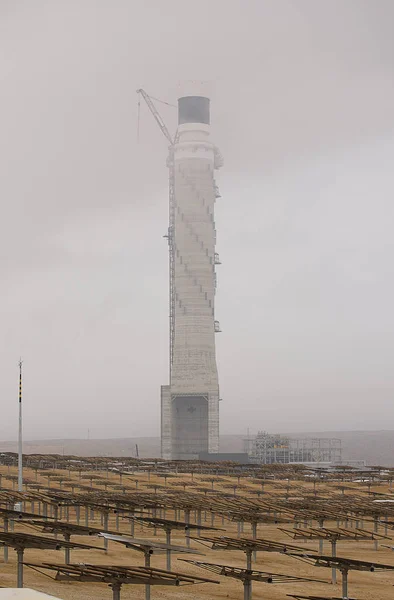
(376, 447)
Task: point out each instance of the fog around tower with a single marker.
(302, 109)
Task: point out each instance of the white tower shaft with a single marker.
(190, 405)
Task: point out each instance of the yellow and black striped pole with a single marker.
(20, 381)
(20, 454)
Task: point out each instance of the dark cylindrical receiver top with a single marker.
(193, 109)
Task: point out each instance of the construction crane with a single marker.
(171, 225)
(156, 115)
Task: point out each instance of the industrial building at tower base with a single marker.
(265, 448)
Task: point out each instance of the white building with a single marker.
(190, 404)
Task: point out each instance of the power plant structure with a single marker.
(266, 448)
(190, 403)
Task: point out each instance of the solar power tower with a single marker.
(190, 403)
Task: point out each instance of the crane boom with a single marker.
(156, 115)
(171, 225)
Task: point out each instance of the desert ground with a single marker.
(231, 489)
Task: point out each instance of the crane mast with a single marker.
(171, 217)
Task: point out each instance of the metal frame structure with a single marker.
(248, 575)
(147, 547)
(344, 565)
(248, 545)
(333, 536)
(21, 541)
(68, 529)
(8, 515)
(266, 448)
(302, 597)
(168, 526)
(117, 576)
(287, 493)
(130, 465)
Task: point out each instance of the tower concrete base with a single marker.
(189, 424)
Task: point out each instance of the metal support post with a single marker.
(106, 529)
(333, 554)
(187, 521)
(20, 454)
(19, 554)
(375, 529)
(321, 525)
(56, 510)
(254, 536)
(168, 551)
(115, 590)
(67, 538)
(5, 547)
(247, 580)
(147, 564)
(344, 584)
(254, 530)
(199, 521)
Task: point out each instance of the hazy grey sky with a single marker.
(303, 112)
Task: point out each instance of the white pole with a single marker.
(20, 455)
